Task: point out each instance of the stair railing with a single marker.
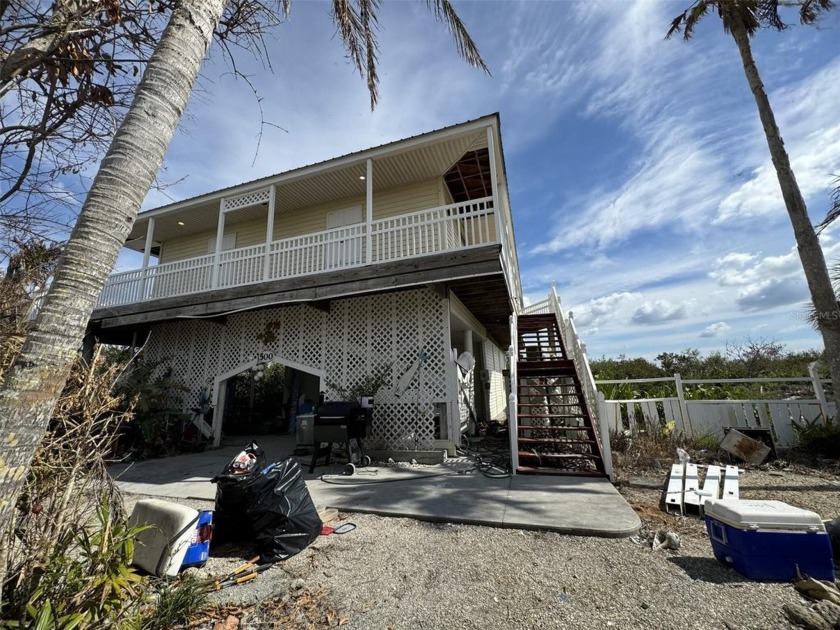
(577, 350)
(513, 420)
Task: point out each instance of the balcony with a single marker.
(450, 228)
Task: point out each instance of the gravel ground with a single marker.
(400, 573)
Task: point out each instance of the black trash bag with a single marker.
(234, 495)
(283, 517)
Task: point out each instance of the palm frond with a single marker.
(445, 12)
(370, 23)
(809, 10)
(767, 14)
(688, 19)
(833, 209)
(349, 24)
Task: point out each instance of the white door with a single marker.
(344, 244)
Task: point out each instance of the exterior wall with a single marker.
(357, 336)
(495, 360)
(387, 203)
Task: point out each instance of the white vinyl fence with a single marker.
(709, 417)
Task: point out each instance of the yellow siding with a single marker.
(406, 199)
(386, 203)
(311, 219)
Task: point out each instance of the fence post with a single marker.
(683, 406)
(818, 389)
(606, 447)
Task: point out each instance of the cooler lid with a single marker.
(764, 514)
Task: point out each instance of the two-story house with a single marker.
(401, 260)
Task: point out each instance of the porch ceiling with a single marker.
(487, 299)
(323, 186)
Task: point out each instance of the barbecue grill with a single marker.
(344, 422)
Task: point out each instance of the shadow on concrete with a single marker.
(455, 491)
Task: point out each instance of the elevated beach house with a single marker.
(398, 261)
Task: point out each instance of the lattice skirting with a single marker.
(357, 337)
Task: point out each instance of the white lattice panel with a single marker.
(357, 337)
(245, 200)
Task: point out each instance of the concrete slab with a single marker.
(450, 492)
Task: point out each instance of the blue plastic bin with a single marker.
(199, 549)
(769, 540)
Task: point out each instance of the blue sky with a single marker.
(639, 176)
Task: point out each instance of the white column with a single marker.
(468, 341)
(269, 232)
(220, 234)
(369, 210)
(147, 252)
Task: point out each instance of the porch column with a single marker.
(220, 234)
(147, 252)
(494, 185)
(269, 233)
(369, 210)
(468, 341)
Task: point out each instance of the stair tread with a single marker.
(532, 427)
(544, 470)
(528, 440)
(550, 404)
(553, 415)
(558, 456)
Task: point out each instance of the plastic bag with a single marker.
(234, 495)
(283, 517)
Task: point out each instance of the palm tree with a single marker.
(742, 19)
(134, 157)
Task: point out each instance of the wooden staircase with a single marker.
(555, 434)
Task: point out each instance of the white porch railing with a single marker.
(709, 417)
(446, 228)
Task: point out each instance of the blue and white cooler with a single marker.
(769, 540)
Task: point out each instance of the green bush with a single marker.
(818, 437)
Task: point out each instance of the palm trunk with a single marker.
(32, 387)
(807, 242)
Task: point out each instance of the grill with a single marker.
(341, 422)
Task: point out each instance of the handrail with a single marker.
(513, 405)
(449, 227)
(571, 341)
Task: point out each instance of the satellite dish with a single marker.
(466, 361)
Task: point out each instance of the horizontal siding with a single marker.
(386, 203)
(406, 199)
(311, 219)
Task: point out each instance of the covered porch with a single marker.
(436, 194)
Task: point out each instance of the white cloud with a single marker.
(658, 312)
(715, 330)
(604, 309)
(739, 268)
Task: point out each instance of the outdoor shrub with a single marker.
(177, 602)
(366, 385)
(153, 393)
(68, 549)
(818, 437)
